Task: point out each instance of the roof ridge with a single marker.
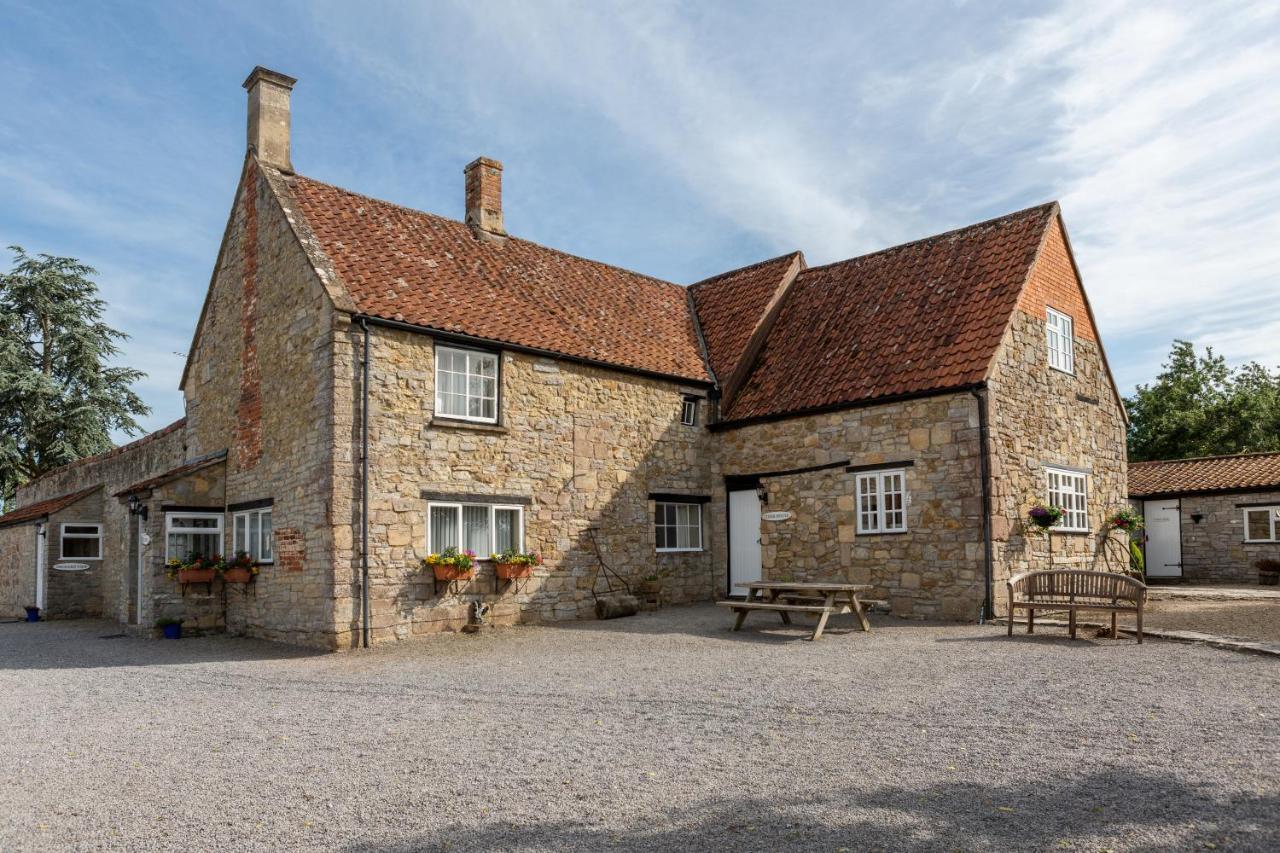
(1046, 207)
(415, 210)
(757, 264)
(1246, 455)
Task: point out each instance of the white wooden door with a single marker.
(42, 579)
(1164, 538)
(744, 539)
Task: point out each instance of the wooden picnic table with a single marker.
(822, 598)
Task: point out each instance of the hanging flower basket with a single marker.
(1044, 517)
(513, 565)
(451, 565)
(1125, 519)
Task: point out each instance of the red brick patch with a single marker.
(291, 549)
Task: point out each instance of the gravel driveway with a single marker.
(660, 732)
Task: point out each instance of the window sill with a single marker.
(861, 533)
(1069, 532)
(478, 426)
(679, 550)
(1070, 373)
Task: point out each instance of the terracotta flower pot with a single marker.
(195, 575)
(513, 571)
(237, 575)
(453, 573)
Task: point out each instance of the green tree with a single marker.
(1198, 406)
(59, 399)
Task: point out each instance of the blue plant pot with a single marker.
(33, 614)
(172, 632)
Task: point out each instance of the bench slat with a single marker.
(764, 605)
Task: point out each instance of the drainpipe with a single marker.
(984, 464)
(364, 490)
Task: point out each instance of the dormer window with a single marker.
(1058, 336)
(467, 385)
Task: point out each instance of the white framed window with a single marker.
(1262, 524)
(81, 541)
(882, 501)
(466, 384)
(677, 526)
(1067, 491)
(689, 411)
(1059, 338)
(251, 533)
(483, 528)
(188, 533)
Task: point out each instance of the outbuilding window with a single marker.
(1262, 524)
(251, 533)
(677, 526)
(1058, 335)
(689, 411)
(483, 528)
(1066, 490)
(466, 384)
(81, 541)
(188, 533)
(882, 501)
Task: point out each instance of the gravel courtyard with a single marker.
(659, 732)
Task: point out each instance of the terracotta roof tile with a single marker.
(188, 467)
(425, 270)
(1246, 471)
(39, 509)
(730, 305)
(921, 317)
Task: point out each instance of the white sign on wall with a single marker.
(71, 567)
(780, 515)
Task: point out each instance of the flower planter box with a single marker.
(453, 573)
(195, 575)
(512, 571)
(237, 576)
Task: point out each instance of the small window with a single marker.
(251, 533)
(689, 411)
(466, 385)
(1262, 524)
(1058, 336)
(482, 528)
(677, 526)
(1067, 492)
(81, 541)
(882, 501)
(192, 533)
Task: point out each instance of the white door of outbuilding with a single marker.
(1164, 538)
(744, 539)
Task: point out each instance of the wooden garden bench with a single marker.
(828, 599)
(1075, 589)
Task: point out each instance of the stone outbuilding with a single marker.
(1209, 519)
(370, 384)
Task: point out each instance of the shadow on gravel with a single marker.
(77, 644)
(1146, 812)
(716, 623)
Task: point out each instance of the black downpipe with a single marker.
(364, 490)
(984, 462)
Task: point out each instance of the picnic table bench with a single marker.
(821, 598)
(1076, 589)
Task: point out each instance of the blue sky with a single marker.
(678, 139)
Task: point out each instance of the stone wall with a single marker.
(935, 568)
(114, 471)
(1043, 417)
(260, 384)
(1214, 550)
(199, 606)
(74, 594)
(583, 446)
(17, 569)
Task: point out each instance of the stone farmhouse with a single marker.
(1209, 519)
(368, 384)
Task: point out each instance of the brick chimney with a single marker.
(484, 197)
(269, 116)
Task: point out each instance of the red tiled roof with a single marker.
(39, 509)
(425, 270)
(1242, 472)
(922, 317)
(730, 305)
(115, 451)
(189, 467)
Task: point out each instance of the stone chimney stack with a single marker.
(484, 197)
(269, 116)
